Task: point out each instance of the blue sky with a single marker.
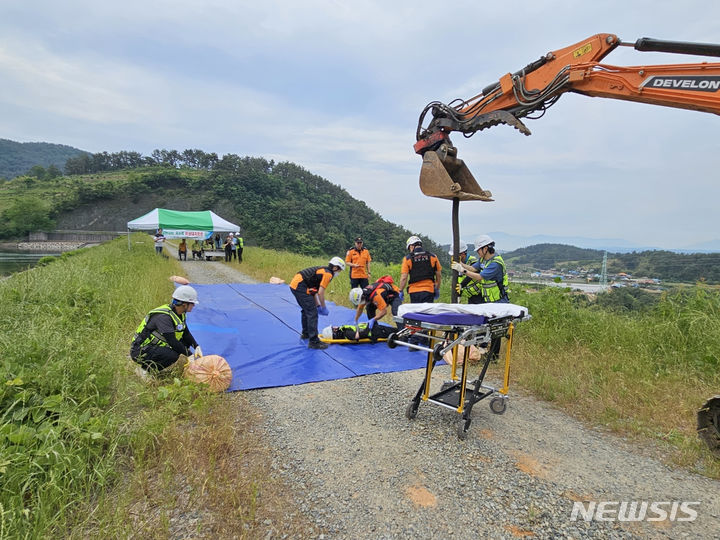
(337, 87)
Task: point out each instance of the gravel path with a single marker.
(358, 468)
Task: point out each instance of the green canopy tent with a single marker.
(178, 224)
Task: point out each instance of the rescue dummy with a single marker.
(347, 333)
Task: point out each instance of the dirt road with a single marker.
(358, 468)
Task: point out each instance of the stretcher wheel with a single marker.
(412, 409)
(391, 341)
(462, 429)
(498, 405)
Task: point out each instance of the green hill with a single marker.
(18, 158)
(664, 265)
(546, 256)
(277, 205)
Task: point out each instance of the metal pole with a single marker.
(456, 247)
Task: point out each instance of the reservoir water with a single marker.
(11, 262)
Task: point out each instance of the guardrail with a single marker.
(75, 236)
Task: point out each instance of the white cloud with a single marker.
(337, 88)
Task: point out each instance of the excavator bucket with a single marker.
(445, 176)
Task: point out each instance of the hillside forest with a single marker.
(20, 158)
(278, 206)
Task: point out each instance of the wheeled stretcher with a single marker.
(441, 328)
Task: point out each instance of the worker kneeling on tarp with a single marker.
(163, 335)
(375, 299)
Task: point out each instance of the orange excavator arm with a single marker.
(528, 93)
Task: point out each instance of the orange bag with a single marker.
(475, 354)
(212, 370)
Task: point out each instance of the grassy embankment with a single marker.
(640, 374)
(86, 449)
(643, 375)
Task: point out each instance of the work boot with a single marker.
(143, 374)
(317, 345)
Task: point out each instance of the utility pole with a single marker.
(603, 273)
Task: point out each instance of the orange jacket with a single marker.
(361, 258)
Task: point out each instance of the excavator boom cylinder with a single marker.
(678, 47)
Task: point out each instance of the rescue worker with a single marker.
(421, 271)
(489, 273)
(197, 249)
(159, 240)
(463, 254)
(182, 250)
(358, 259)
(461, 286)
(234, 247)
(228, 247)
(490, 279)
(163, 338)
(375, 299)
(240, 247)
(308, 286)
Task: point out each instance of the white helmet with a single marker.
(327, 332)
(411, 241)
(462, 248)
(355, 296)
(185, 293)
(482, 241)
(337, 261)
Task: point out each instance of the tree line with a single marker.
(284, 206)
(278, 205)
(117, 161)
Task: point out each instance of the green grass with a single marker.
(71, 412)
(87, 450)
(641, 374)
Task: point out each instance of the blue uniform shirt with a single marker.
(492, 272)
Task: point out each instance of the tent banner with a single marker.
(179, 233)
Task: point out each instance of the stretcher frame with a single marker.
(344, 341)
(458, 394)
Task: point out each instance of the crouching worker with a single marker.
(163, 336)
(375, 299)
(308, 286)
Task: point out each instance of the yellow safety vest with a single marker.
(143, 338)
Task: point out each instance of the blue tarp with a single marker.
(256, 328)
